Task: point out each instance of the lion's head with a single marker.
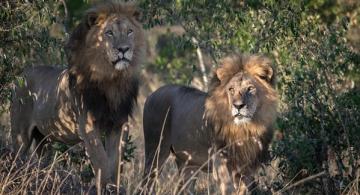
(242, 97)
(242, 93)
(108, 41)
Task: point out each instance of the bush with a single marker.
(28, 37)
(318, 73)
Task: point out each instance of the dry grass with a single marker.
(168, 182)
(60, 175)
(37, 177)
(354, 187)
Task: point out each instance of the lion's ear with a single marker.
(93, 18)
(220, 74)
(137, 14)
(262, 68)
(267, 74)
(227, 67)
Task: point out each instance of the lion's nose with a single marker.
(124, 48)
(238, 105)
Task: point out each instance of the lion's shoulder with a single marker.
(43, 69)
(180, 92)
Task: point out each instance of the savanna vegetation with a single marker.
(315, 46)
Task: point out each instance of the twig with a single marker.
(98, 181)
(301, 182)
(148, 176)
(67, 17)
(124, 133)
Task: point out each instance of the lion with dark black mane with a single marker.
(93, 96)
(227, 129)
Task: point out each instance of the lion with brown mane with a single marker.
(93, 96)
(226, 130)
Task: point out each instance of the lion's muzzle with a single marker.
(124, 57)
(242, 112)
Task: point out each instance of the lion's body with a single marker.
(93, 96)
(54, 109)
(179, 125)
(48, 108)
(200, 129)
(187, 133)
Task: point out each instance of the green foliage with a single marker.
(75, 10)
(25, 39)
(315, 131)
(87, 173)
(174, 54)
(129, 148)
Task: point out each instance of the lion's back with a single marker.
(40, 77)
(37, 88)
(172, 98)
(171, 107)
(157, 107)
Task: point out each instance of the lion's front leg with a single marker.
(222, 175)
(114, 145)
(244, 182)
(95, 150)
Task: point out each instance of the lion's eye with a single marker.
(109, 33)
(130, 31)
(232, 90)
(263, 77)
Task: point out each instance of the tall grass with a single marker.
(56, 174)
(62, 176)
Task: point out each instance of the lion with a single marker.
(92, 97)
(227, 130)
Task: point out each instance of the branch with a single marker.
(201, 62)
(301, 182)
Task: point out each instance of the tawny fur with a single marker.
(190, 123)
(88, 99)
